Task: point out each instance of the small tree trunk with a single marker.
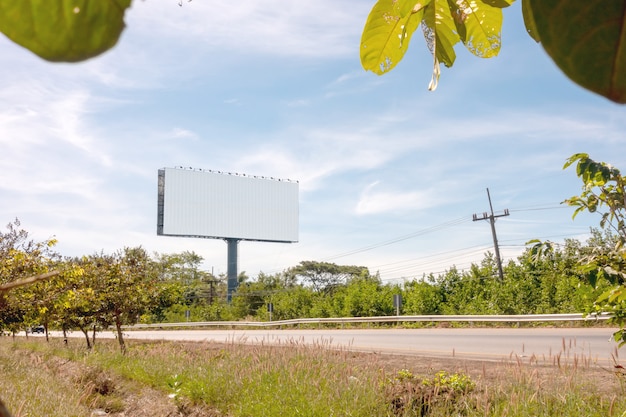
(45, 328)
(93, 337)
(86, 333)
(120, 336)
(65, 335)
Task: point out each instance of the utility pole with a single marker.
(492, 220)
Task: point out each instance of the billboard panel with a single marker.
(212, 204)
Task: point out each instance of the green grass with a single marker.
(51, 379)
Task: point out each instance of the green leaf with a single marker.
(440, 32)
(387, 33)
(605, 295)
(478, 26)
(587, 41)
(63, 30)
(574, 158)
(616, 294)
(529, 21)
(499, 3)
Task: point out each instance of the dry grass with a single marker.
(159, 379)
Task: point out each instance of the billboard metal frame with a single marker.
(259, 189)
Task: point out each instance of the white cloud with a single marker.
(306, 29)
(373, 201)
(181, 133)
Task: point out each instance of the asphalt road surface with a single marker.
(545, 345)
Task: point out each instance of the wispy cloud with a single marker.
(307, 29)
(375, 201)
(180, 133)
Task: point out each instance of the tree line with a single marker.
(103, 291)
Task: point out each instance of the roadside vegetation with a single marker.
(101, 291)
(160, 379)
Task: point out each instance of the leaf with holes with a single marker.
(387, 33)
(479, 26)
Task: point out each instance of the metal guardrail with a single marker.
(385, 319)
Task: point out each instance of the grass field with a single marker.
(155, 379)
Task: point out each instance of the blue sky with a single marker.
(390, 174)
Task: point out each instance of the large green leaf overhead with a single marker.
(390, 24)
(587, 40)
(387, 33)
(63, 30)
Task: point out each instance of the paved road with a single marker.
(546, 345)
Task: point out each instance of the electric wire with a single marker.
(457, 255)
(401, 238)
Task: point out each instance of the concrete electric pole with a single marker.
(492, 220)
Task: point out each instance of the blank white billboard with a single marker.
(197, 203)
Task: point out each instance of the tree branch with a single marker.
(27, 281)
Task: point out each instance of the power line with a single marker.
(432, 229)
(539, 208)
(401, 238)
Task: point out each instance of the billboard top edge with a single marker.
(237, 174)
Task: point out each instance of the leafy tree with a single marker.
(183, 266)
(46, 296)
(21, 259)
(365, 296)
(114, 290)
(182, 281)
(79, 305)
(325, 276)
(471, 292)
(131, 288)
(583, 37)
(604, 193)
(293, 302)
(422, 297)
(249, 298)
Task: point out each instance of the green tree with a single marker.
(293, 302)
(21, 259)
(78, 306)
(126, 286)
(325, 276)
(46, 296)
(422, 297)
(604, 193)
(182, 267)
(365, 296)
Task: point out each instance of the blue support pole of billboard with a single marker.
(232, 268)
